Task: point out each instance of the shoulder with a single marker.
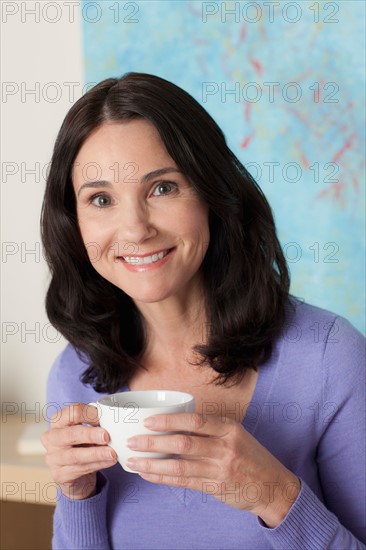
(64, 384)
(322, 348)
(69, 363)
(310, 324)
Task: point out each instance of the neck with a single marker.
(173, 326)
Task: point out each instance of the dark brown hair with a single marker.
(246, 280)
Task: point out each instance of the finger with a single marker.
(204, 469)
(68, 474)
(192, 422)
(78, 413)
(181, 444)
(75, 435)
(79, 456)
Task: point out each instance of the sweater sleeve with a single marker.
(82, 523)
(339, 522)
(77, 524)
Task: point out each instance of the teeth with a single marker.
(145, 259)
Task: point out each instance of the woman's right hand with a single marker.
(75, 452)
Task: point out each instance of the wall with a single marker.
(61, 47)
(286, 83)
(35, 54)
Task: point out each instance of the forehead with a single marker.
(114, 148)
(130, 137)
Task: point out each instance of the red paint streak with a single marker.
(317, 95)
(347, 145)
(263, 31)
(247, 111)
(257, 65)
(299, 115)
(336, 120)
(334, 191)
(304, 160)
(244, 144)
(243, 33)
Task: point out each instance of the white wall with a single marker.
(35, 53)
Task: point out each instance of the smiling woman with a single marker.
(244, 273)
(157, 214)
(167, 274)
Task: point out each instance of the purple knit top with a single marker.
(308, 410)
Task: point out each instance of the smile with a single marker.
(136, 260)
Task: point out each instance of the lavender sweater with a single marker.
(308, 409)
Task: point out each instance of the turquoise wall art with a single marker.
(286, 83)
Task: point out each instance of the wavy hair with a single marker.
(246, 279)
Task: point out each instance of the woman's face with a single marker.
(144, 227)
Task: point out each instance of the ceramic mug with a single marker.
(123, 414)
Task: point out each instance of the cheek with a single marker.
(86, 234)
(193, 217)
(197, 224)
(92, 230)
(204, 233)
(196, 234)
(95, 240)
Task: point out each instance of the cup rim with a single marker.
(135, 394)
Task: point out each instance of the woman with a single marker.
(167, 273)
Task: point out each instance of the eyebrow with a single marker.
(144, 179)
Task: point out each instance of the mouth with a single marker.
(145, 260)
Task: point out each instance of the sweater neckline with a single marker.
(267, 373)
(262, 388)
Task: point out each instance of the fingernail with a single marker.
(132, 463)
(150, 422)
(103, 436)
(132, 442)
(111, 456)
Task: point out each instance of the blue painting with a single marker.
(285, 81)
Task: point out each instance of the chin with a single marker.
(150, 296)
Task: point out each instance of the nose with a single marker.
(134, 224)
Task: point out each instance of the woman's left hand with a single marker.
(220, 458)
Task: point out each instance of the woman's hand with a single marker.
(220, 458)
(76, 452)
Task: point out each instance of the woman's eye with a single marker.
(164, 188)
(101, 201)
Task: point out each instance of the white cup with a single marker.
(123, 414)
